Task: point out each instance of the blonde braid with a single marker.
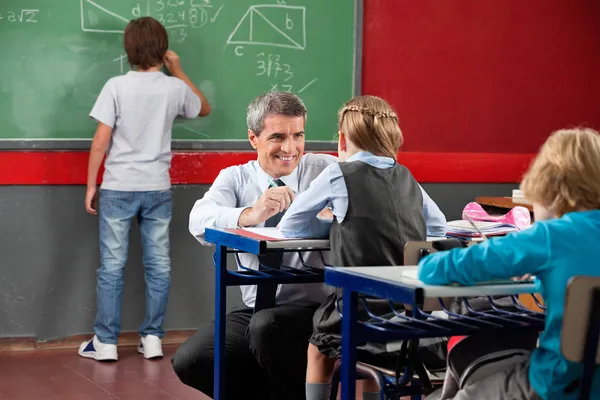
(379, 134)
(368, 111)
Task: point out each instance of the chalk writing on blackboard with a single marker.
(279, 72)
(25, 16)
(176, 15)
(286, 23)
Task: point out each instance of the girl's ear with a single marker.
(342, 141)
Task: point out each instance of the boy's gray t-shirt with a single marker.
(141, 108)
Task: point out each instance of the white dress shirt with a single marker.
(239, 187)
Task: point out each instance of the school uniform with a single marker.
(378, 206)
(554, 251)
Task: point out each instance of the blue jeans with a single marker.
(116, 212)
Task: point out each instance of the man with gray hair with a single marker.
(266, 350)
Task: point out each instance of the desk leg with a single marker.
(220, 299)
(349, 325)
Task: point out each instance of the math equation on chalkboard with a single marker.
(177, 16)
(23, 16)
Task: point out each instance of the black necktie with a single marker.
(266, 292)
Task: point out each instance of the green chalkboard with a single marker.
(57, 55)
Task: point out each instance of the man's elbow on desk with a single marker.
(198, 234)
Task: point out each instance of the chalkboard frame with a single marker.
(208, 145)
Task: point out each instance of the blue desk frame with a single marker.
(232, 241)
(366, 280)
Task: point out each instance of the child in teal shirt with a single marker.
(564, 185)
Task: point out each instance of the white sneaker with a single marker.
(98, 351)
(150, 346)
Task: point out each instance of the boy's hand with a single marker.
(172, 62)
(91, 200)
(525, 277)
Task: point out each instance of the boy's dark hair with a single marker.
(146, 42)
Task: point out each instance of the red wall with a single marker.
(487, 78)
(484, 75)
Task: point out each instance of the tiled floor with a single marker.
(63, 375)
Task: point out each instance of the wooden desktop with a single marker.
(505, 203)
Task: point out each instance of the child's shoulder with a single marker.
(114, 83)
(118, 79)
(175, 81)
(577, 222)
(571, 227)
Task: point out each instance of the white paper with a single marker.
(273, 232)
(464, 227)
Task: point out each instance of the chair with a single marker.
(472, 358)
(414, 251)
(581, 328)
(388, 379)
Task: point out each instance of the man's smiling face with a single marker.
(280, 145)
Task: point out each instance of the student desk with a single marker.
(399, 284)
(235, 241)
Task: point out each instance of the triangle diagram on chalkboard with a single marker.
(241, 33)
(272, 25)
(288, 21)
(97, 18)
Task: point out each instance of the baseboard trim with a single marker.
(29, 343)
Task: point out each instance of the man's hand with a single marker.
(272, 201)
(91, 200)
(172, 63)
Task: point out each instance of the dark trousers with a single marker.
(265, 354)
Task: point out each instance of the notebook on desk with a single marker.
(268, 234)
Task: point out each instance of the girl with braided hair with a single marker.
(377, 208)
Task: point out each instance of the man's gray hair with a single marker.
(273, 103)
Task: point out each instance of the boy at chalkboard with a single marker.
(135, 114)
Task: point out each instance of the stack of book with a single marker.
(464, 229)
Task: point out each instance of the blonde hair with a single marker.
(565, 175)
(372, 125)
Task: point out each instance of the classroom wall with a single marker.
(49, 253)
(478, 86)
(484, 76)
